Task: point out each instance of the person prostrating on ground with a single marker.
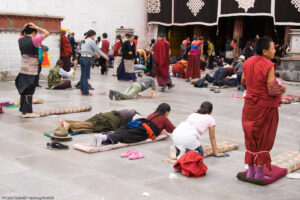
(186, 136)
(135, 88)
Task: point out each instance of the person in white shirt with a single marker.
(186, 136)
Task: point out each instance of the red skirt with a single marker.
(260, 126)
(193, 67)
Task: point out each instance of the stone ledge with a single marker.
(25, 14)
(17, 30)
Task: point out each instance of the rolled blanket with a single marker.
(65, 111)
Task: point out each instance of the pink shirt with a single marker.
(35, 40)
(201, 122)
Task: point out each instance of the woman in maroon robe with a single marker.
(196, 53)
(162, 61)
(260, 112)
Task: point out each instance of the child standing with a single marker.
(186, 136)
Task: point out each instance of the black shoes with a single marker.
(111, 94)
(57, 145)
(117, 96)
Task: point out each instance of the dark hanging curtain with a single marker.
(286, 12)
(165, 14)
(232, 7)
(207, 15)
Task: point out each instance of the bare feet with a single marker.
(66, 125)
(30, 115)
(60, 123)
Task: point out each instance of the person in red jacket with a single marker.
(65, 50)
(136, 40)
(117, 54)
(104, 46)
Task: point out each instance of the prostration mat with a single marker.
(48, 133)
(281, 165)
(87, 148)
(222, 147)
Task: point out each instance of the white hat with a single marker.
(242, 57)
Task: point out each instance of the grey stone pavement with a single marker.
(28, 168)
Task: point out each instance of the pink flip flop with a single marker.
(135, 155)
(127, 153)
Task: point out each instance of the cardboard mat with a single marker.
(87, 148)
(222, 147)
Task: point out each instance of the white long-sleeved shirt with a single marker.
(63, 73)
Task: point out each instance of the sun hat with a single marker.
(61, 133)
(242, 57)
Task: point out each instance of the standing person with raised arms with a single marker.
(27, 79)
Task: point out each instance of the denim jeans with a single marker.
(198, 150)
(85, 65)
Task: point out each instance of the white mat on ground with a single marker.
(87, 148)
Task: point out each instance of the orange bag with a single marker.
(46, 61)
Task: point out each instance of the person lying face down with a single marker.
(186, 136)
(139, 130)
(107, 121)
(135, 88)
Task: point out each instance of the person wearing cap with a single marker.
(65, 50)
(89, 49)
(238, 67)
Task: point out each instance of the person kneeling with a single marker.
(56, 74)
(186, 136)
(136, 87)
(139, 130)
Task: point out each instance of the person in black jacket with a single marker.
(126, 69)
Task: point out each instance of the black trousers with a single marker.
(39, 72)
(102, 63)
(210, 62)
(26, 85)
(125, 135)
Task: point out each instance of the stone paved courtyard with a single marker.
(28, 168)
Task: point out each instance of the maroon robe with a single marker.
(162, 61)
(260, 113)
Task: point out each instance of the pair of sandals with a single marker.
(56, 145)
(132, 155)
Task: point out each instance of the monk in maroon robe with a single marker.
(260, 113)
(161, 51)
